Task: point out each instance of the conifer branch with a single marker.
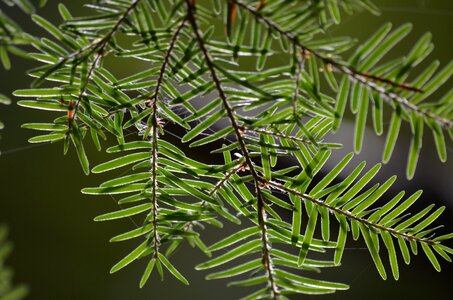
(362, 77)
(328, 61)
(99, 48)
(262, 215)
(391, 96)
(274, 111)
(349, 215)
(155, 134)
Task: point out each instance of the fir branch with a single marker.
(74, 109)
(262, 215)
(362, 77)
(155, 134)
(391, 96)
(99, 47)
(328, 61)
(156, 125)
(348, 214)
(274, 112)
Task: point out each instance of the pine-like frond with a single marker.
(352, 202)
(161, 181)
(220, 83)
(355, 205)
(364, 89)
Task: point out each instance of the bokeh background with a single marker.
(62, 254)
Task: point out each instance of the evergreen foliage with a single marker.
(7, 290)
(197, 76)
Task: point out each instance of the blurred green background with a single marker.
(62, 254)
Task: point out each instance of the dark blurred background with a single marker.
(62, 254)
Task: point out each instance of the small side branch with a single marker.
(152, 102)
(171, 46)
(241, 166)
(364, 78)
(154, 157)
(348, 215)
(389, 96)
(99, 48)
(299, 66)
(280, 135)
(328, 61)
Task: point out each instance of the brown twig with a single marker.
(220, 183)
